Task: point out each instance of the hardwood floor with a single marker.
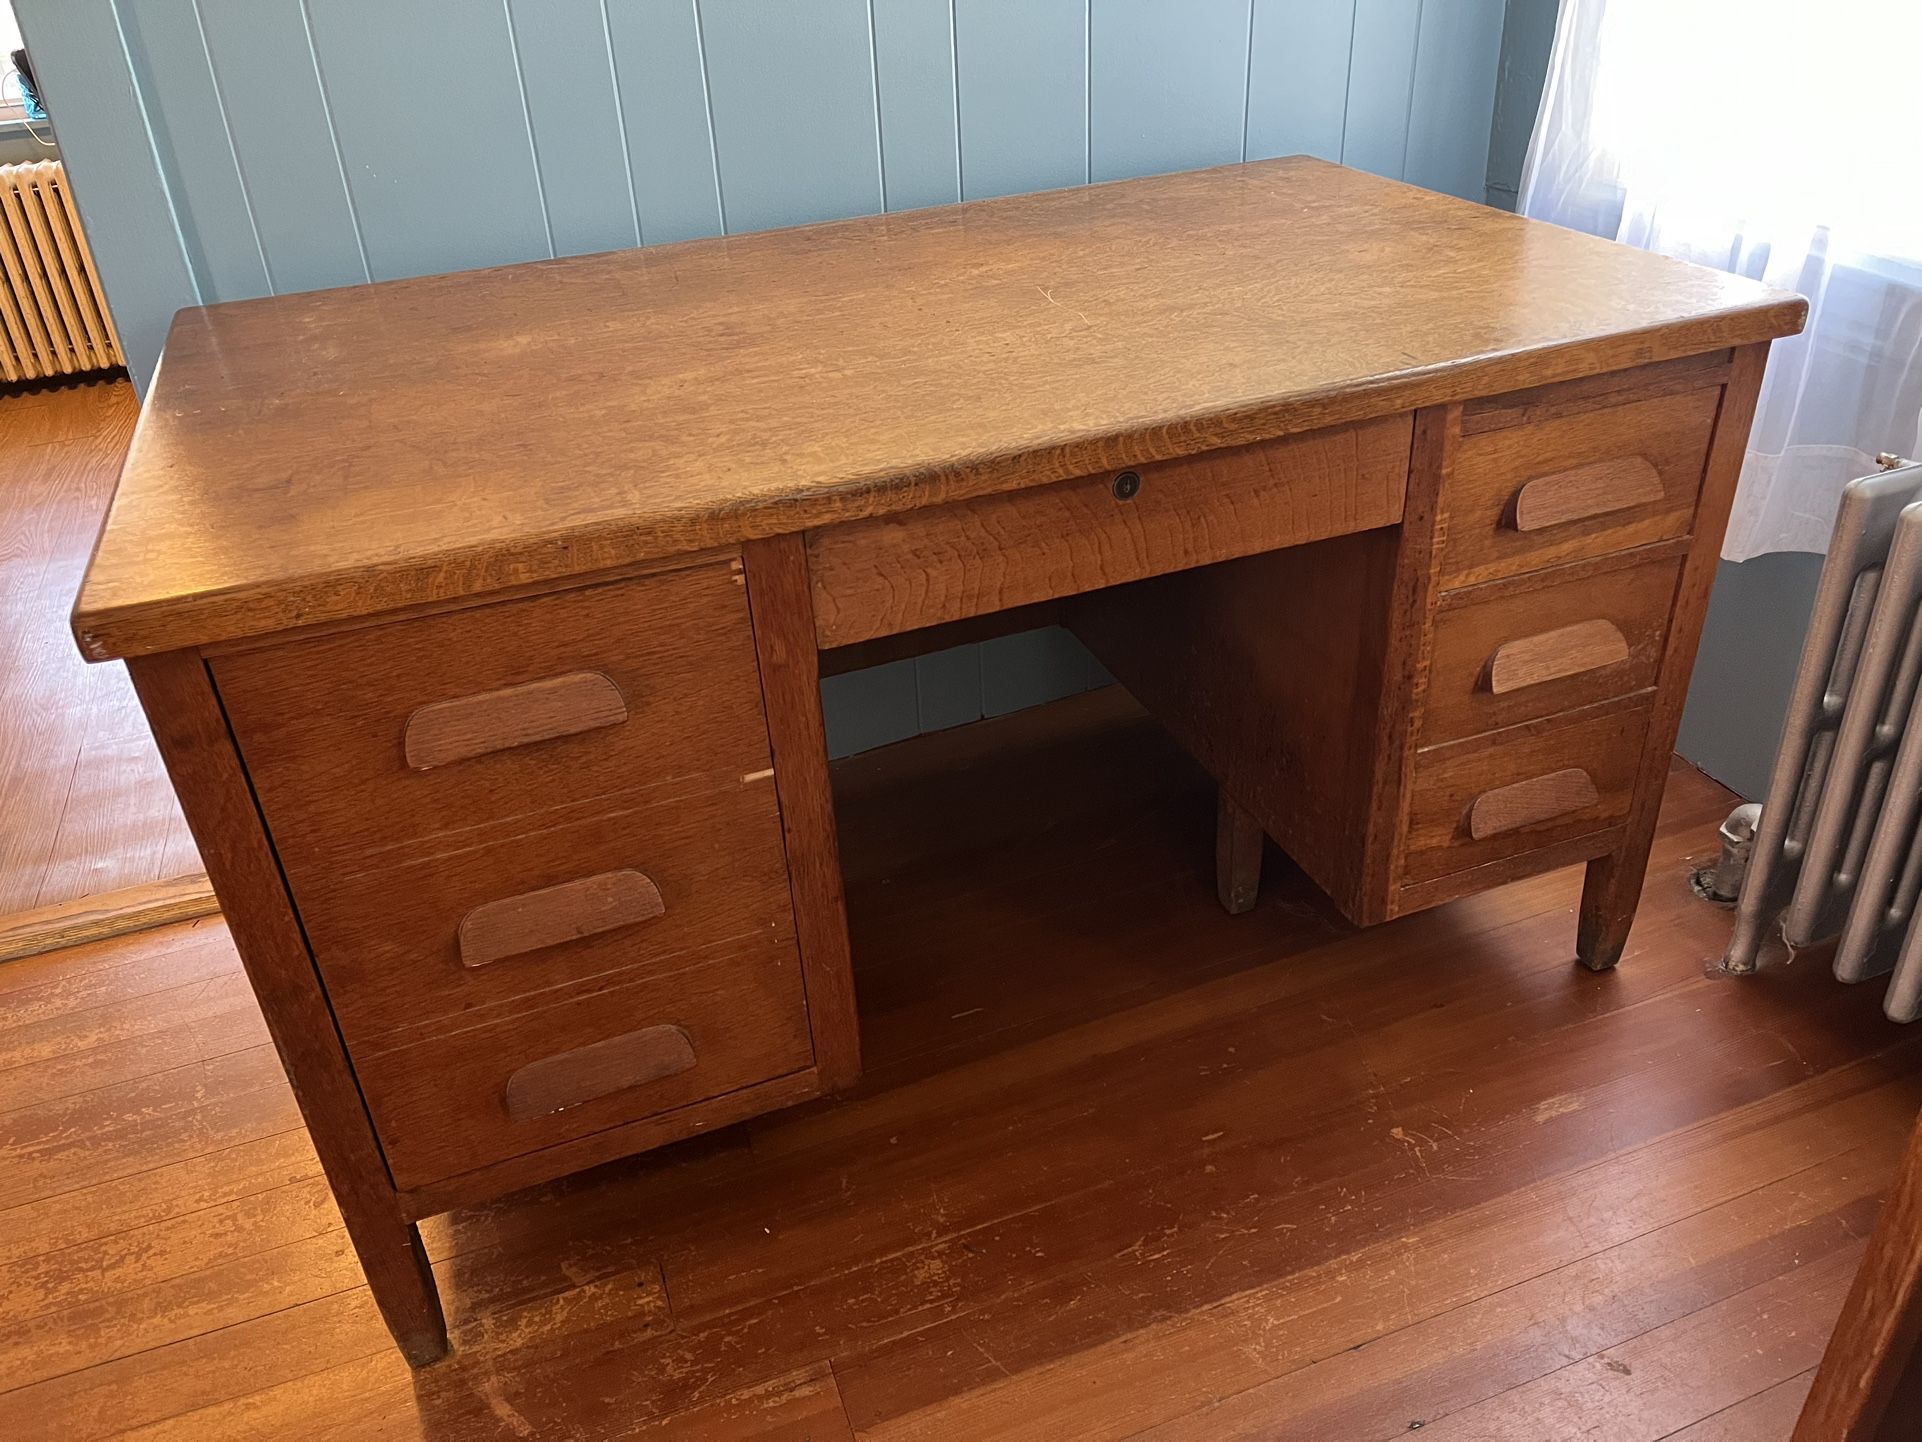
(88, 809)
(1122, 1166)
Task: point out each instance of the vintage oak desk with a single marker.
(478, 616)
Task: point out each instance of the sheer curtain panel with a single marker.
(1782, 140)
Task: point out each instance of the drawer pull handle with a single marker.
(1583, 492)
(1554, 655)
(1525, 803)
(513, 925)
(588, 1073)
(469, 726)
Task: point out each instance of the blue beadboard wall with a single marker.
(221, 149)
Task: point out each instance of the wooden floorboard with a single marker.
(1123, 1166)
(88, 808)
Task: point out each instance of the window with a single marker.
(11, 107)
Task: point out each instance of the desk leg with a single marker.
(1238, 843)
(187, 722)
(1614, 883)
(781, 602)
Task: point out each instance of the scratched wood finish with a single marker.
(111, 913)
(588, 1073)
(1869, 1386)
(314, 456)
(321, 720)
(1723, 1146)
(1582, 458)
(1451, 785)
(568, 911)
(393, 938)
(897, 573)
(778, 592)
(440, 1101)
(194, 741)
(469, 726)
(87, 805)
(1550, 641)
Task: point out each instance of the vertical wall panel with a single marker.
(914, 75)
(1033, 667)
(659, 69)
(427, 107)
(284, 142)
(576, 120)
(190, 137)
(101, 124)
(1456, 62)
(865, 709)
(947, 688)
(1381, 74)
(1298, 77)
(1166, 85)
(1022, 71)
(791, 91)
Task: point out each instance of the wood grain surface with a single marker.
(1172, 1174)
(567, 911)
(341, 453)
(896, 573)
(111, 913)
(1596, 464)
(86, 804)
(454, 730)
(1515, 650)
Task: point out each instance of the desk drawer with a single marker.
(1520, 790)
(532, 909)
(1517, 650)
(530, 1077)
(1548, 491)
(898, 573)
(364, 741)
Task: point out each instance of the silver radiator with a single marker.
(1838, 851)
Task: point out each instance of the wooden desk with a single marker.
(479, 617)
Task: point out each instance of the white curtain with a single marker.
(1780, 139)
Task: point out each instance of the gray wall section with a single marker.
(1528, 32)
(221, 149)
(1757, 617)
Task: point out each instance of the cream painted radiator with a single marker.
(1837, 851)
(53, 316)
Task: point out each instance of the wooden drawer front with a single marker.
(1520, 790)
(500, 914)
(1532, 495)
(361, 740)
(896, 573)
(1517, 650)
(535, 1076)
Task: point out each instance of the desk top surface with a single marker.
(314, 457)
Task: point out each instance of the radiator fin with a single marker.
(53, 314)
(1838, 851)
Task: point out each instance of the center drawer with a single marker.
(944, 563)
